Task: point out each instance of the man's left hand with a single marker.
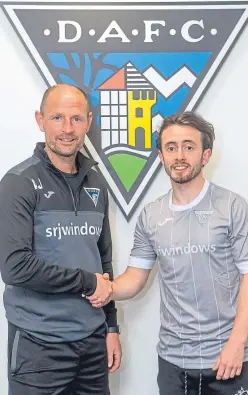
(114, 351)
(230, 361)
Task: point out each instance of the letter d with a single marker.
(62, 29)
(84, 229)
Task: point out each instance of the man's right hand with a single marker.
(103, 292)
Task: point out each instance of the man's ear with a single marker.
(39, 120)
(206, 156)
(89, 120)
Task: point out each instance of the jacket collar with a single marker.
(84, 164)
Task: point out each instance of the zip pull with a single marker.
(76, 203)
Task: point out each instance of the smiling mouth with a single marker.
(67, 140)
(180, 167)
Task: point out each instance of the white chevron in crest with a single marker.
(168, 87)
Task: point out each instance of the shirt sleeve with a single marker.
(238, 233)
(19, 265)
(142, 255)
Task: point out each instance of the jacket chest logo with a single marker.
(49, 194)
(93, 193)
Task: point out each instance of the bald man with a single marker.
(55, 243)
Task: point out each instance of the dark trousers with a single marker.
(36, 367)
(173, 380)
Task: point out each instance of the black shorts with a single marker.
(36, 367)
(173, 380)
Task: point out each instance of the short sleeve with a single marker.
(142, 255)
(238, 233)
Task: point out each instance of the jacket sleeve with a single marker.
(105, 249)
(19, 265)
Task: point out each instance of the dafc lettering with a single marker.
(73, 230)
(115, 31)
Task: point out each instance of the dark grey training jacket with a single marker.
(51, 244)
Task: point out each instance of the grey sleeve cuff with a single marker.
(141, 263)
(243, 267)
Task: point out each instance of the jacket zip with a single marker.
(73, 198)
(75, 203)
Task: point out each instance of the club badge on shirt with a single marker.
(93, 193)
(203, 216)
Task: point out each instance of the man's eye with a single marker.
(77, 119)
(57, 117)
(189, 148)
(171, 149)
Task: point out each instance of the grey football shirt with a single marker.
(201, 248)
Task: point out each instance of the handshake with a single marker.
(103, 292)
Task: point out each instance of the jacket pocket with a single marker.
(37, 363)
(13, 360)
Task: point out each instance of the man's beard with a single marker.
(60, 152)
(181, 179)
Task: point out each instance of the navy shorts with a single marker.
(173, 380)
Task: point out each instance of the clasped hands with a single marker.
(103, 292)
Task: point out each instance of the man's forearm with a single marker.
(130, 283)
(239, 332)
(26, 270)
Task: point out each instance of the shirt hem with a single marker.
(206, 365)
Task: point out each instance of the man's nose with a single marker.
(68, 126)
(180, 154)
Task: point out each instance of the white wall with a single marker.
(225, 104)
